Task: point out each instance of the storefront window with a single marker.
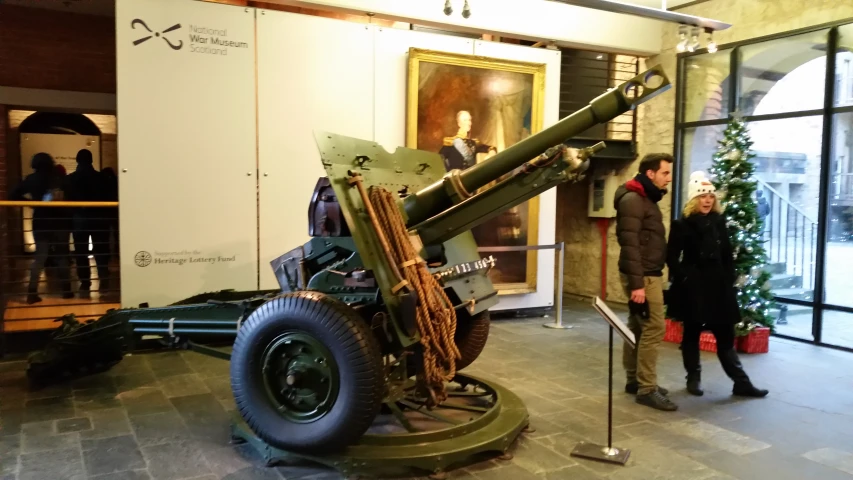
(707, 85)
(803, 158)
(844, 67)
(770, 71)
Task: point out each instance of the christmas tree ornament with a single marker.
(732, 172)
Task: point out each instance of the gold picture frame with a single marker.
(442, 88)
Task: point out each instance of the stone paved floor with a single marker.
(165, 416)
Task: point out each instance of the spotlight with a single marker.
(682, 38)
(694, 40)
(712, 45)
(466, 10)
(448, 9)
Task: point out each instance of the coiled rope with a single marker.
(436, 317)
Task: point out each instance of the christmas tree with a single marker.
(732, 175)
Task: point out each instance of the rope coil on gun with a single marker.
(436, 317)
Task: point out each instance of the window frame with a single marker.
(828, 111)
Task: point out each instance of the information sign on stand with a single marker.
(608, 453)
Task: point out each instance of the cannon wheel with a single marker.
(306, 373)
(471, 336)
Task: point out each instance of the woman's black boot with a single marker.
(694, 383)
(743, 387)
(690, 357)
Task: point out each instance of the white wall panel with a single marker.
(392, 67)
(544, 295)
(569, 25)
(313, 73)
(186, 113)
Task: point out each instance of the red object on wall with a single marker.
(758, 341)
(56, 50)
(603, 224)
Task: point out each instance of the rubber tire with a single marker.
(356, 353)
(470, 338)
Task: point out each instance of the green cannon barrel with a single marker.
(439, 196)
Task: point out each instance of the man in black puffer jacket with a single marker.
(642, 256)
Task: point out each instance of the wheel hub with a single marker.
(300, 376)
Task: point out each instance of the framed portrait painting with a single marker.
(467, 109)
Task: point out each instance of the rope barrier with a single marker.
(436, 317)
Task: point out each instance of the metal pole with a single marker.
(559, 302)
(610, 398)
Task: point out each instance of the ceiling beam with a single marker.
(648, 12)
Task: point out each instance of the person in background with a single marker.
(763, 210)
(642, 241)
(63, 224)
(86, 184)
(111, 213)
(703, 293)
(43, 185)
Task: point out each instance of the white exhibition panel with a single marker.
(392, 71)
(568, 25)
(307, 80)
(205, 203)
(187, 149)
(544, 295)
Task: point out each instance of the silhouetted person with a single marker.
(111, 213)
(763, 209)
(63, 224)
(42, 185)
(86, 184)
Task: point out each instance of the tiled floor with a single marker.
(165, 416)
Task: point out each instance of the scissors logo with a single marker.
(174, 27)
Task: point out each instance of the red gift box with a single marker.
(675, 331)
(758, 341)
(707, 342)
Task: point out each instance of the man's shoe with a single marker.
(747, 389)
(633, 388)
(657, 401)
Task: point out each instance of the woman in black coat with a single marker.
(703, 294)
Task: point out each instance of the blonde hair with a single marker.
(693, 206)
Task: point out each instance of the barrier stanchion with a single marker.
(593, 451)
(559, 247)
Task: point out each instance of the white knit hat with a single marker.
(699, 185)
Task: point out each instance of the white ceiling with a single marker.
(107, 7)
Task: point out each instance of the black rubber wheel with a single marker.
(306, 373)
(471, 336)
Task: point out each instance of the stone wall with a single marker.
(750, 19)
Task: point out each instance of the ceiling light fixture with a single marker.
(694, 40)
(681, 46)
(712, 45)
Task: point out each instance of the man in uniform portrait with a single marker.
(460, 151)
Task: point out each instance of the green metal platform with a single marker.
(478, 417)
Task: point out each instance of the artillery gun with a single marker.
(386, 303)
